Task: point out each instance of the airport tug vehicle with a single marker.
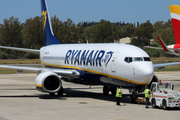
(164, 96)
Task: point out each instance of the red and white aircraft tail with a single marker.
(175, 18)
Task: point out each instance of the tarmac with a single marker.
(19, 100)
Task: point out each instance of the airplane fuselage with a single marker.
(101, 64)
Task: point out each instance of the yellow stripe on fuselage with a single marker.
(174, 9)
(37, 85)
(92, 71)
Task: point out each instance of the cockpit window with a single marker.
(147, 59)
(137, 59)
(128, 59)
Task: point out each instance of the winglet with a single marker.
(48, 36)
(163, 44)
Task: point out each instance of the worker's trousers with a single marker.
(147, 102)
(118, 100)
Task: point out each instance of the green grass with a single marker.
(165, 59)
(17, 61)
(20, 61)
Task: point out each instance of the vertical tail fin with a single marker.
(48, 36)
(175, 18)
(163, 44)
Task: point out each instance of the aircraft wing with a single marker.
(66, 73)
(166, 64)
(159, 48)
(21, 49)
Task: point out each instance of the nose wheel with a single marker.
(134, 96)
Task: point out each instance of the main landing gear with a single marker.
(134, 95)
(106, 90)
(60, 93)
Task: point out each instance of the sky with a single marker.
(128, 11)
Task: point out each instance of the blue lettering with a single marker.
(99, 57)
(77, 58)
(83, 57)
(72, 57)
(89, 59)
(67, 57)
(94, 59)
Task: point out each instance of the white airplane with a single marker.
(108, 64)
(175, 18)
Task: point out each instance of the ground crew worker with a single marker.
(147, 96)
(118, 96)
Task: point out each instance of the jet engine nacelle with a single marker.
(48, 82)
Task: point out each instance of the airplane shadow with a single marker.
(70, 93)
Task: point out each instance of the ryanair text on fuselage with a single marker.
(85, 57)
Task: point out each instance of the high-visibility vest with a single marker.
(147, 95)
(118, 94)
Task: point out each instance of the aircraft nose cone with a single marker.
(148, 70)
(145, 72)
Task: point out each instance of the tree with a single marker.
(56, 25)
(102, 32)
(10, 36)
(142, 34)
(33, 33)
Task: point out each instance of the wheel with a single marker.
(133, 97)
(60, 93)
(164, 105)
(51, 94)
(105, 90)
(153, 103)
(113, 90)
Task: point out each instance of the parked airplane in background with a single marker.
(107, 64)
(175, 18)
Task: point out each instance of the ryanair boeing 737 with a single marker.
(107, 64)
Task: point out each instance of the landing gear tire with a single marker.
(60, 93)
(105, 90)
(164, 105)
(51, 94)
(153, 103)
(133, 98)
(113, 90)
